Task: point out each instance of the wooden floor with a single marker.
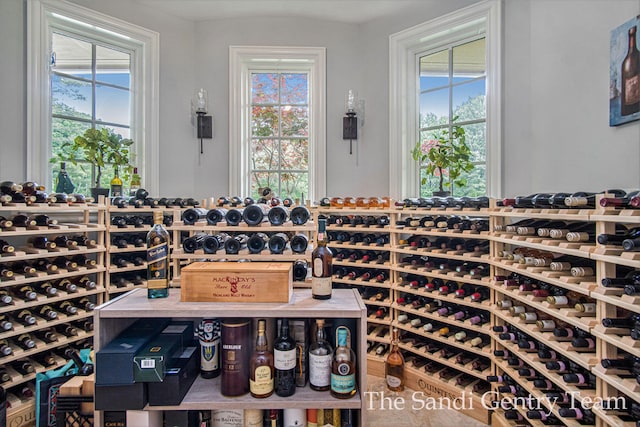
(415, 414)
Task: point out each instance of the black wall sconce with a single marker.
(350, 121)
(204, 123)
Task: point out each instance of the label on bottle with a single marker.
(342, 382)
(116, 190)
(319, 369)
(318, 270)
(632, 90)
(393, 382)
(320, 285)
(263, 383)
(253, 418)
(157, 258)
(295, 417)
(284, 360)
(209, 355)
(227, 418)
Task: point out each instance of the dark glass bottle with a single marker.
(158, 259)
(257, 242)
(630, 78)
(284, 354)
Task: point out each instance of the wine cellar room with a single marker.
(511, 299)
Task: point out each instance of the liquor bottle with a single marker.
(284, 356)
(299, 243)
(278, 243)
(299, 215)
(321, 259)
(235, 244)
(261, 365)
(394, 365)
(116, 184)
(157, 259)
(277, 215)
(320, 357)
(630, 78)
(135, 183)
(257, 242)
(343, 367)
(192, 215)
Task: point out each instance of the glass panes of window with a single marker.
(453, 87)
(279, 133)
(80, 69)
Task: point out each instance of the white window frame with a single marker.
(404, 90)
(45, 15)
(242, 61)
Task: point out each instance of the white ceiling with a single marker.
(349, 11)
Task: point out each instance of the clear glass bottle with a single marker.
(135, 183)
(157, 259)
(261, 380)
(320, 357)
(116, 184)
(321, 260)
(394, 365)
(343, 367)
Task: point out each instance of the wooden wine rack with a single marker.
(74, 219)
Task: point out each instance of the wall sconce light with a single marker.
(355, 108)
(204, 123)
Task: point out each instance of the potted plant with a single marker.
(447, 153)
(99, 147)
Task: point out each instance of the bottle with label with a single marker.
(235, 355)
(157, 259)
(343, 367)
(320, 357)
(209, 337)
(284, 360)
(116, 184)
(135, 183)
(321, 260)
(63, 182)
(630, 75)
(394, 365)
(261, 366)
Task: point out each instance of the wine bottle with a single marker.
(235, 244)
(25, 342)
(278, 215)
(192, 215)
(284, 355)
(394, 365)
(157, 259)
(5, 298)
(343, 367)
(299, 215)
(261, 365)
(5, 247)
(255, 214)
(233, 216)
(299, 243)
(115, 184)
(278, 243)
(630, 77)
(26, 318)
(300, 270)
(320, 358)
(321, 258)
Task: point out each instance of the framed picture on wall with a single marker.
(624, 70)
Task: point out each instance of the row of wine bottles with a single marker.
(254, 243)
(445, 202)
(45, 265)
(374, 257)
(138, 221)
(358, 220)
(370, 239)
(427, 263)
(30, 192)
(448, 222)
(355, 202)
(49, 243)
(298, 417)
(252, 215)
(47, 312)
(31, 292)
(447, 243)
(580, 199)
(452, 288)
(556, 296)
(141, 199)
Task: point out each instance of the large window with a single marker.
(88, 70)
(453, 91)
(445, 69)
(90, 88)
(277, 121)
(280, 133)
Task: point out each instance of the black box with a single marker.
(114, 419)
(183, 371)
(150, 364)
(181, 419)
(183, 328)
(114, 361)
(121, 397)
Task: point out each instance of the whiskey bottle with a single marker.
(394, 365)
(320, 357)
(261, 365)
(284, 360)
(343, 367)
(157, 259)
(321, 259)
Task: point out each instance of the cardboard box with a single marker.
(150, 364)
(183, 371)
(114, 361)
(237, 282)
(121, 397)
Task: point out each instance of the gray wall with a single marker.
(556, 133)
